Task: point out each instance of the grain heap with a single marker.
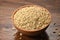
(32, 18)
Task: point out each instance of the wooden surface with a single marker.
(7, 32)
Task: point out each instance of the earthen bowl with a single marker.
(26, 32)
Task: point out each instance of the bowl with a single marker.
(30, 32)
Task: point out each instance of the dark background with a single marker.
(7, 32)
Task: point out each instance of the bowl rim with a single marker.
(29, 30)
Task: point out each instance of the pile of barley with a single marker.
(32, 18)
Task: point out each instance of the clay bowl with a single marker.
(28, 32)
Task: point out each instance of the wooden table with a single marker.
(7, 32)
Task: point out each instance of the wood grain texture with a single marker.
(7, 32)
